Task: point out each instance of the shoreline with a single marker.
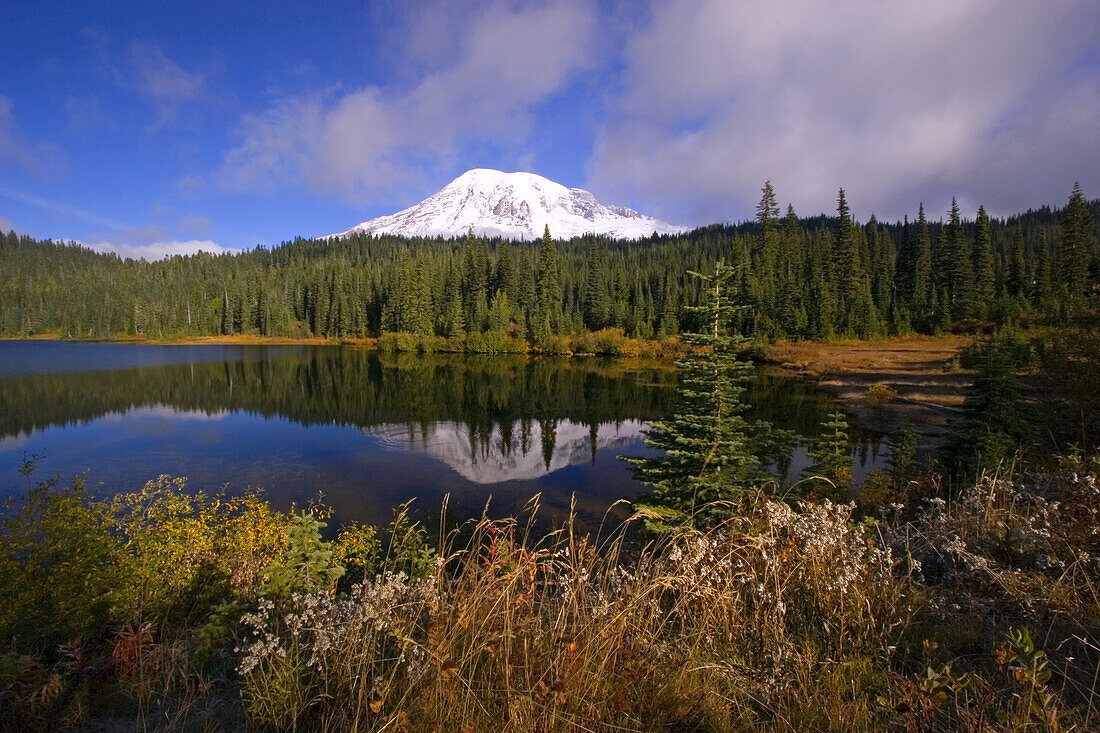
(234, 340)
(597, 343)
(922, 369)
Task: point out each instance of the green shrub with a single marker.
(73, 566)
(832, 454)
(1009, 345)
(358, 550)
(397, 341)
(756, 352)
(880, 394)
(60, 567)
(605, 342)
(494, 342)
(307, 565)
(584, 343)
(609, 341)
(553, 344)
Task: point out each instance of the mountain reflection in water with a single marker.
(516, 451)
(369, 430)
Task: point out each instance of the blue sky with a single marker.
(161, 127)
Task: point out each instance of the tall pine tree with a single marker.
(984, 277)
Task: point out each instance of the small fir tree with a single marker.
(711, 453)
(832, 455)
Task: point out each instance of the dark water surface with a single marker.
(369, 430)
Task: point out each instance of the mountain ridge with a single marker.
(514, 205)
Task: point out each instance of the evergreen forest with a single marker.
(794, 278)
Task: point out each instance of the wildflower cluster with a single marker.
(368, 643)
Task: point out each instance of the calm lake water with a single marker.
(369, 430)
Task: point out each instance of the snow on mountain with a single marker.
(496, 459)
(513, 206)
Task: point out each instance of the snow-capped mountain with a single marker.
(513, 206)
(496, 459)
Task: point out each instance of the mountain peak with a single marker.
(515, 205)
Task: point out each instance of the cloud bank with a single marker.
(159, 250)
(995, 101)
(375, 141)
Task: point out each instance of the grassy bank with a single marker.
(171, 611)
(606, 342)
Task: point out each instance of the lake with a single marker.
(369, 431)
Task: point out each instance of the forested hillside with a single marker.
(802, 278)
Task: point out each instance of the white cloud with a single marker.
(6, 225)
(897, 102)
(159, 250)
(164, 79)
(145, 68)
(164, 82)
(506, 60)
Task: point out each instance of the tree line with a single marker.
(819, 277)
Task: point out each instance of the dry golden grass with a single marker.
(903, 354)
(725, 629)
(776, 619)
(921, 369)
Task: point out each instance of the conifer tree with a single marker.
(846, 264)
(1075, 247)
(882, 274)
(958, 271)
(710, 452)
(922, 273)
(1016, 280)
(855, 309)
(548, 283)
(416, 303)
(597, 309)
(500, 312)
(984, 279)
(994, 422)
(453, 316)
(1043, 287)
(475, 282)
(765, 250)
(669, 324)
(507, 275)
(792, 313)
(820, 293)
(832, 454)
(906, 264)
